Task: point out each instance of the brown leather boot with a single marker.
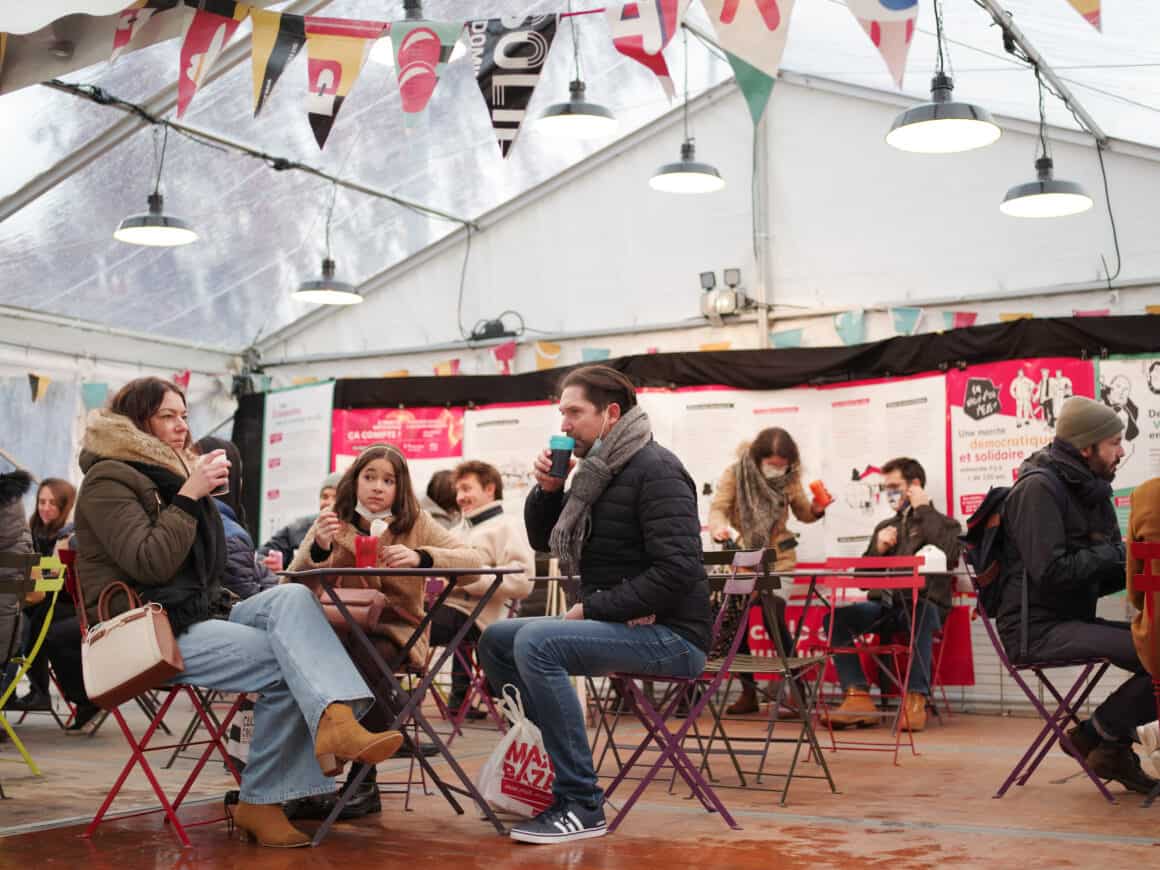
(266, 825)
(341, 739)
(745, 703)
(856, 710)
(915, 717)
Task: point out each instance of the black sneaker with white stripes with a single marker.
(562, 822)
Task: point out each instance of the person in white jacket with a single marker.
(503, 541)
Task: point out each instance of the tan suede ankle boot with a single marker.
(267, 825)
(341, 739)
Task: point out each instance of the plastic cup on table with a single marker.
(366, 550)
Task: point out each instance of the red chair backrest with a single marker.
(1145, 555)
(906, 574)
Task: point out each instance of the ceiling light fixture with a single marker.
(687, 175)
(327, 290)
(155, 229)
(944, 125)
(576, 118)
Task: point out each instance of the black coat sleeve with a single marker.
(1034, 516)
(671, 530)
(541, 510)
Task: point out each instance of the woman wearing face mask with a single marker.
(375, 497)
(754, 497)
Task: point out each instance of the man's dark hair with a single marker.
(602, 386)
(441, 490)
(485, 472)
(910, 469)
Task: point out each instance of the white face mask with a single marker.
(599, 438)
(772, 472)
(370, 515)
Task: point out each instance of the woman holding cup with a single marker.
(377, 522)
(752, 502)
(145, 516)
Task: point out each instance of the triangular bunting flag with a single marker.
(850, 326)
(508, 77)
(753, 34)
(890, 25)
(959, 319)
(786, 338)
(1009, 316)
(336, 50)
(547, 355)
(94, 395)
(133, 20)
(422, 49)
(207, 31)
(448, 367)
(38, 384)
(277, 40)
(3, 48)
(1090, 10)
(594, 354)
(504, 354)
(710, 346)
(642, 30)
(906, 319)
(182, 379)
(1090, 312)
(1152, 309)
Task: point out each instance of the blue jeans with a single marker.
(537, 655)
(279, 645)
(854, 620)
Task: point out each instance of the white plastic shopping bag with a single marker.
(518, 776)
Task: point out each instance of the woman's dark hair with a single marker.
(233, 498)
(441, 490)
(602, 386)
(139, 400)
(775, 441)
(406, 507)
(64, 494)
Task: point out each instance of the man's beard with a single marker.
(1104, 470)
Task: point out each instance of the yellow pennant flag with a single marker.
(1152, 309)
(397, 373)
(3, 48)
(276, 41)
(1015, 315)
(716, 345)
(1090, 10)
(547, 355)
(39, 385)
(447, 367)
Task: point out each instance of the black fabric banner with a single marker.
(508, 56)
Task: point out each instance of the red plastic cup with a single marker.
(366, 551)
(821, 494)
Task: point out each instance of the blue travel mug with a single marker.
(561, 447)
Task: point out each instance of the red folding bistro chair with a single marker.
(894, 660)
(1145, 555)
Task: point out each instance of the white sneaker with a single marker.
(1150, 737)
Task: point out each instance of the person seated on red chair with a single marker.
(502, 542)
(1144, 525)
(916, 524)
(1063, 541)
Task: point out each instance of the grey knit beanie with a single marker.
(1083, 422)
(331, 481)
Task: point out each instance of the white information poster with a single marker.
(864, 426)
(295, 453)
(1130, 386)
(509, 436)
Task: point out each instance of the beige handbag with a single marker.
(130, 653)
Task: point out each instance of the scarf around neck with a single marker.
(760, 502)
(630, 434)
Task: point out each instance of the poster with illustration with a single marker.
(999, 414)
(1130, 386)
(863, 427)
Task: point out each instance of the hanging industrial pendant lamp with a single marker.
(576, 117)
(1046, 196)
(155, 228)
(944, 125)
(327, 290)
(687, 175)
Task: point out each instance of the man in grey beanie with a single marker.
(1063, 542)
(287, 539)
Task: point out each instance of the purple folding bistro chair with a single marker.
(653, 717)
(1091, 670)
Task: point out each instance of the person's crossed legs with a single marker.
(538, 655)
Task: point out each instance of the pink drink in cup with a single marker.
(366, 551)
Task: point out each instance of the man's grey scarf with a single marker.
(632, 432)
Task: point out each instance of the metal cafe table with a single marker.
(386, 685)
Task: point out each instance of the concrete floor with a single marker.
(932, 810)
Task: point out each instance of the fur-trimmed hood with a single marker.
(14, 485)
(113, 436)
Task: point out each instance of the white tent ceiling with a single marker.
(262, 230)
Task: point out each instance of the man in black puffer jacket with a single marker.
(629, 526)
(1063, 551)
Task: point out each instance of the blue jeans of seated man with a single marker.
(537, 655)
(854, 620)
(279, 645)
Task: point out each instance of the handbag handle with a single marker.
(109, 591)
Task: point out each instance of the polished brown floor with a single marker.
(933, 810)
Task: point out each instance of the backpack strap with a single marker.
(1060, 495)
